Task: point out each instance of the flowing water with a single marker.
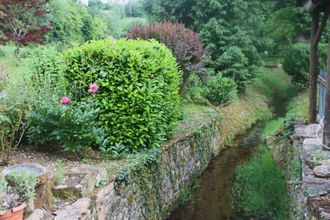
(211, 202)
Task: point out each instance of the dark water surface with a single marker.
(211, 202)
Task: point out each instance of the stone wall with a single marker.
(148, 186)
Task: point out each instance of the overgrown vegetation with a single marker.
(259, 187)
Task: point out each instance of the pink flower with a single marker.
(93, 88)
(65, 100)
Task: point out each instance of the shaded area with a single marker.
(212, 200)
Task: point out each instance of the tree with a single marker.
(170, 10)
(72, 22)
(23, 21)
(184, 43)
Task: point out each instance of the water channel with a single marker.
(211, 202)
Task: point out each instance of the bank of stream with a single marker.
(212, 199)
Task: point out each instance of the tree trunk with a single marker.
(313, 68)
(326, 130)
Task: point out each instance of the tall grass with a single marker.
(259, 188)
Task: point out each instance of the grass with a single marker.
(272, 127)
(259, 188)
(194, 116)
(299, 106)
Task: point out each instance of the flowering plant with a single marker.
(73, 126)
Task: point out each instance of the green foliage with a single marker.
(15, 102)
(194, 90)
(296, 63)
(221, 90)
(134, 8)
(234, 64)
(221, 24)
(71, 22)
(46, 63)
(21, 189)
(59, 175)
(115, 17)
(272, 127)
(24, 184)
(289, 124)
(12, 128)
(136, 168)
(170, 10)
(259, 188)
(286, 24)
(113, 152)
(138, 95)
(73, 127)
(3, 188)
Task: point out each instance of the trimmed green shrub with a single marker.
(221, 90)
(296, 63)
(138, 88)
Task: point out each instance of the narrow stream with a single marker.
(211, 202)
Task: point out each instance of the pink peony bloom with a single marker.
(65, 100)
(93, 88)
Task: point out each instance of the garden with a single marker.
(89, 93)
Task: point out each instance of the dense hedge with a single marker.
(138, 88)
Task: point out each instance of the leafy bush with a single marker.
(12, 128)
(221, 90)
(296, 63)
(184, 43)
(46, 63)
(234, 64)
(259, 188)
(73, 127)
(194, 90)
(138, 88)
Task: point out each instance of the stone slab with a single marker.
(322, 171)
(74, 211)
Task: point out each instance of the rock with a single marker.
(314, 186)
(307, 131)
(75, 211)
(325, 162)
(77, 185)
(322, 171)
(41, 172)
(43, 197)
(312, 144)
(39, 214)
